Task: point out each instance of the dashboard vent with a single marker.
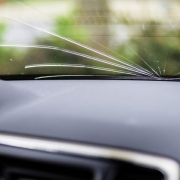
(132, 172)
(66, 167)
(16, 169)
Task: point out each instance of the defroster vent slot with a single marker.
(18, 169)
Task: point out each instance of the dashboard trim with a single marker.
(169, 167)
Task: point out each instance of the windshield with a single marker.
(62, 38)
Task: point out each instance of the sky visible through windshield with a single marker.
(59, 38)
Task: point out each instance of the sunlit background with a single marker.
(90, 37)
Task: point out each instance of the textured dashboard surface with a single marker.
(137, 115)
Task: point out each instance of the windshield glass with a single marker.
(59, 38)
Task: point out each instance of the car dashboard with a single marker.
(89, 130)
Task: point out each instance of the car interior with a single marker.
(89, 90)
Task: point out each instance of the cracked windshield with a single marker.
(61, 38)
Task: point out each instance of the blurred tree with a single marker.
(155, 49)
(2, 31)
(96, 15)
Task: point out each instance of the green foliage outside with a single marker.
(155, 48)
(153, 51)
